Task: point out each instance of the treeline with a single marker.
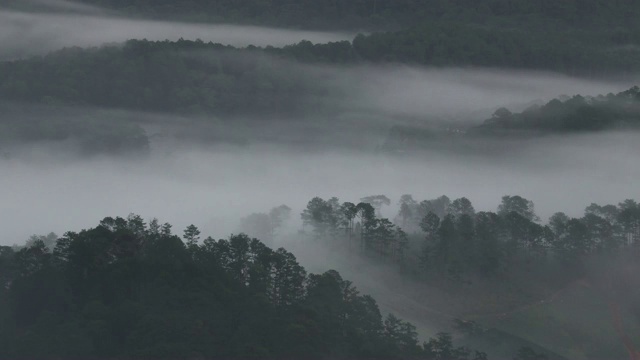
(198, 77)
(575, 52)
(360, 226)
(450, 240)
(572, 37)
(126, 289)
(565, 115)
(574, 114)
(461, 241)
(188, 76)
(376, 14)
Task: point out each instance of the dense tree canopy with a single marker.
(571, 114)
(198, 77)
(566, 115)
(449, 239)
(127, 289)
(189, 76)
(574, 37)
(376, 14)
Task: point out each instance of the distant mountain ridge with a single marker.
(575, 114)
(565, 115)
(379, 14)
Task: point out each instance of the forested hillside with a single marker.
(203, 79)
(189, 76)
(455, 242)
(574, 52)
(575, 114)
(159, 76)
(374, 14)
(561, 283)
(126, 289)
(568, 115)
(587, 38)
(130, 289)
(164, 107)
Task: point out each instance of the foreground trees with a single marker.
(125, 289)
(129, 289)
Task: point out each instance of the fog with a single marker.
(28, 33)
(54, 6)
(251, 165)
(463, 94)
(214, 188)
(251, 168)
(397, 93)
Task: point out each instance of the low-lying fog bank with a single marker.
(27, 33)
(465, 94)
(213, 188)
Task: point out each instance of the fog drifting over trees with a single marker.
(216, 187)
(239, 138)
